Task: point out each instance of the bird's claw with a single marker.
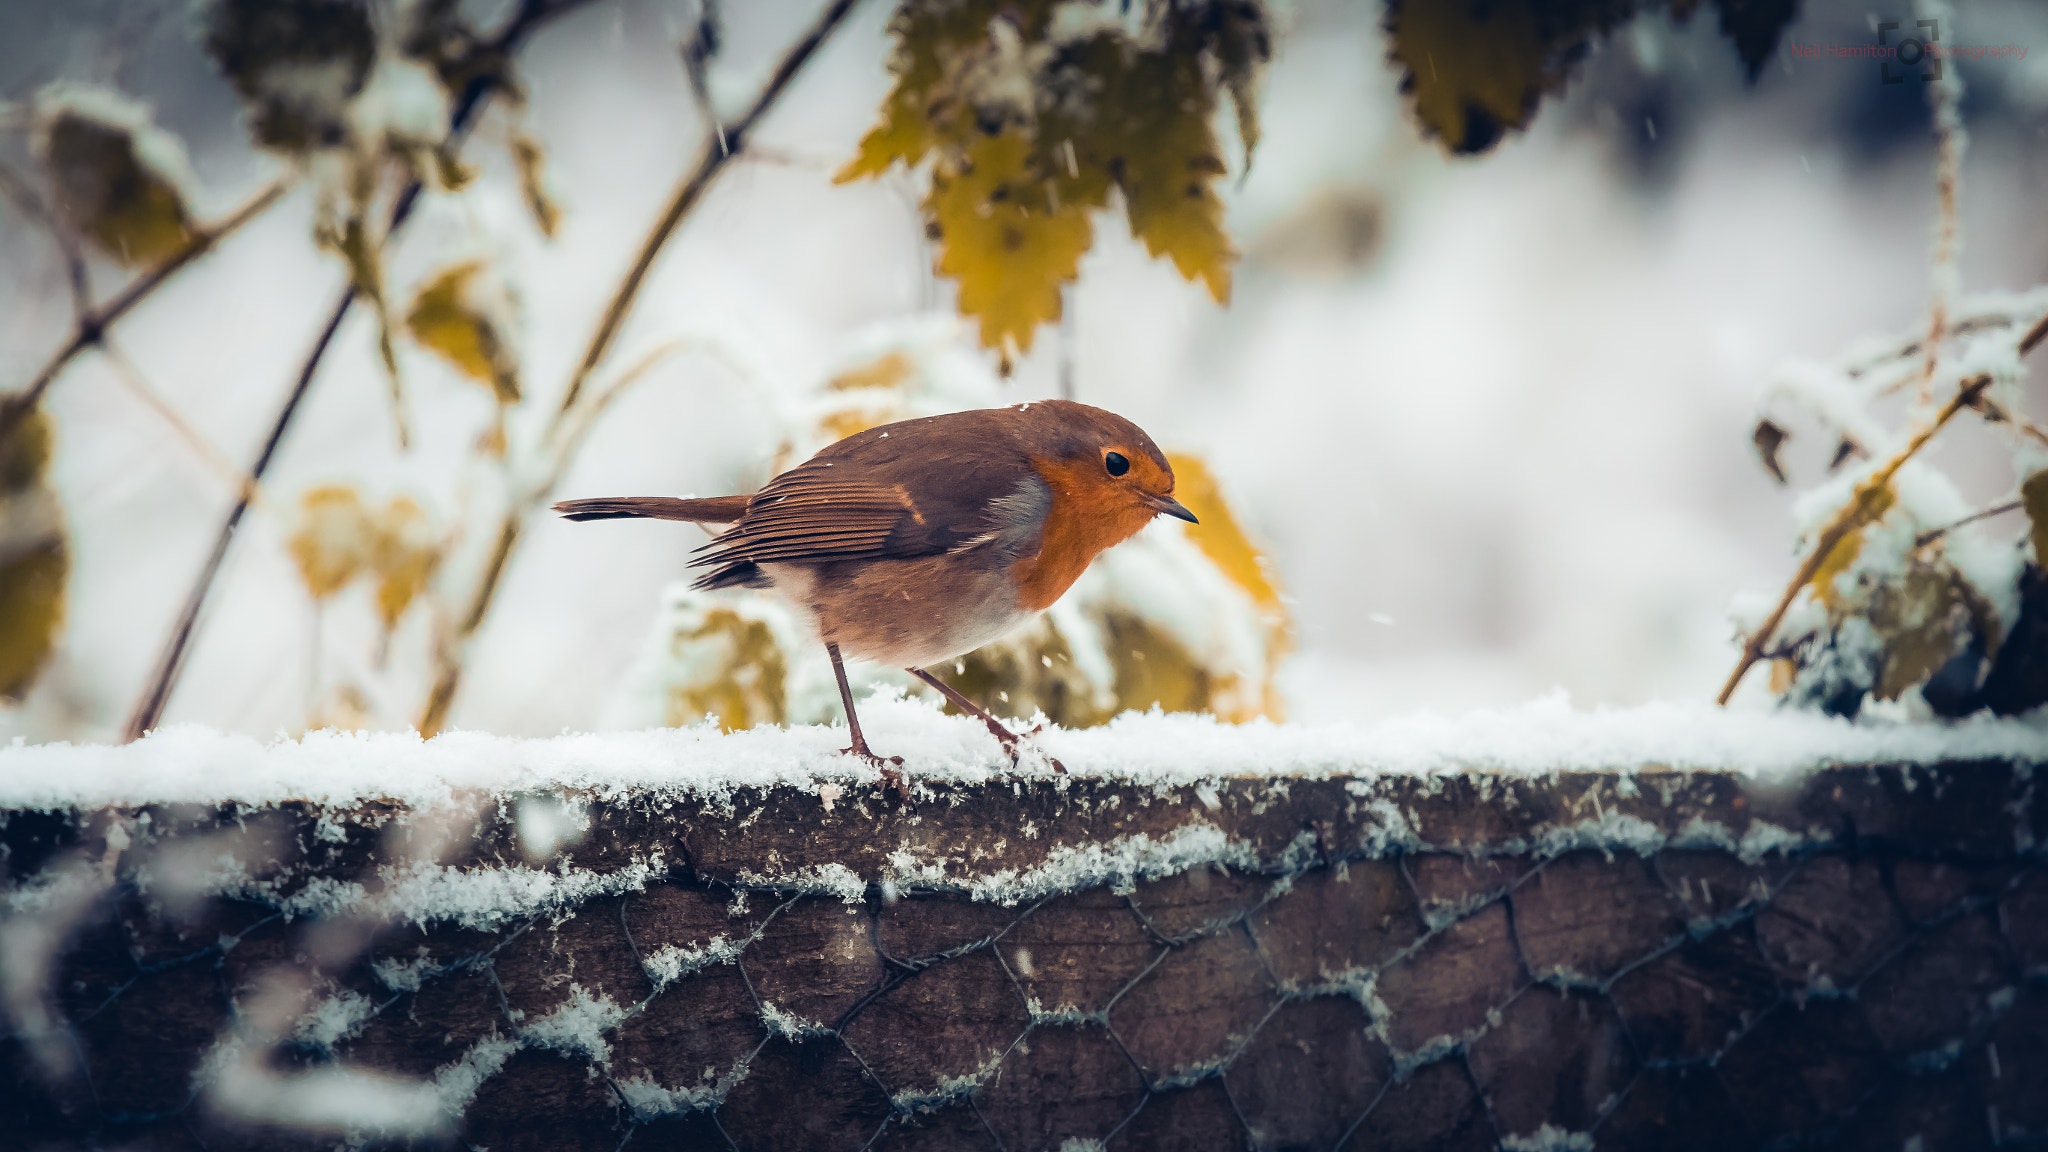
(888, 766)
(1015, 746)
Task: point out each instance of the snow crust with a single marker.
(194, 764)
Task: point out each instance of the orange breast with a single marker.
(1089, 513)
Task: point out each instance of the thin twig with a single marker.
(449, 652)
(1848, 519)
(18, 190)
(697, 49)
(691, 189)
(1933, 534)
(149, 709)
(131, 378)
(567, 435)
(95, 323)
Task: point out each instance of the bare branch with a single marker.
(95, 323)
(1933, 534)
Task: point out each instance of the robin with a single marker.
(916, 542)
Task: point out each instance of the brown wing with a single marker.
(914, 488)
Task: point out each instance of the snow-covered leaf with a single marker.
(297, 64)
(1919, 618)
(116, 176)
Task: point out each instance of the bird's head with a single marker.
(1100, 462)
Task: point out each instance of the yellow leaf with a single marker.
(1219, 535)
(1027, 673)
(1153, 669)
(334, 538)
(1867, 507)
(889, 370)
(107, 192)
(1154, 137)
(2034, 496)
(445, 317)
(923, 108)
(35, 562)
(31, 612)
(403, 554)
(752, 674)
(1018, 168)
(1004, 241)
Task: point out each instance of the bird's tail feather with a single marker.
(710, 510)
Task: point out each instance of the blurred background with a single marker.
(1489, 417)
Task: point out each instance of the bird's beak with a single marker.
(1171, 507)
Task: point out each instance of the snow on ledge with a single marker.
(195, 764)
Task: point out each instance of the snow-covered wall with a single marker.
(1656, 928)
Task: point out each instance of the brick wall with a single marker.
(1655, 960)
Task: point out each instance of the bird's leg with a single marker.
(891, 778)
(1011, 741)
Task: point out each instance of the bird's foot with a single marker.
(890, 768)
(1015, 744)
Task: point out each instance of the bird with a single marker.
(916, 542)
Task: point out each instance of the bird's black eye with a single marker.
(1116, 463)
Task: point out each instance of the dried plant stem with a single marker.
(132, 379)
(1933, 534)
(1850, 517)
(94, 323)
(1945, 96)
(718, 151)
(149, 708)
